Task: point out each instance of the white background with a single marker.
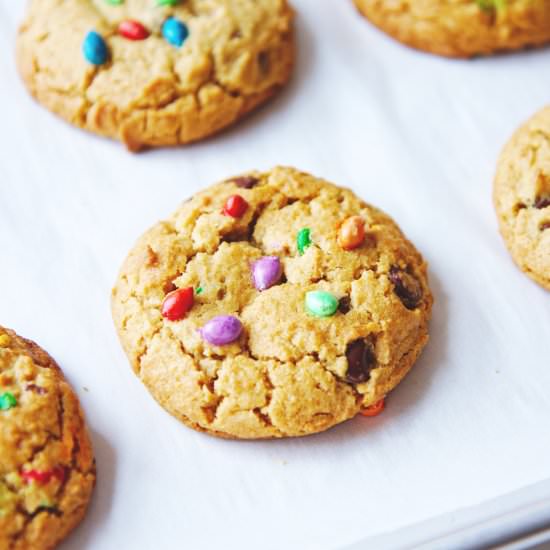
(411, 133)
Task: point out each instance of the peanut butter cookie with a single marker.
(462, 28)
(272, 305)
(155, 72)
(522, 197)
(47, 470)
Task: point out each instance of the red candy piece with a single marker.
(43, 477)
(235, 206)
(133, 30)
(374, 410)
(177, 304)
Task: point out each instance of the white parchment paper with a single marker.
(415, 135)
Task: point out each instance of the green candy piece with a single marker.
(115, 2)
(321, 304)
(199, 290)
(303, 240)
(168, 2)
(7, 401)
(489, 5)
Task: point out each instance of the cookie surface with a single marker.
(275, 314)
(155, 72)
(522, 197)
(462, 28)
(47, 470)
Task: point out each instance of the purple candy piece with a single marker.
(266, 272)
(222, 330)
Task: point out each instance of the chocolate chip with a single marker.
(35, 389)
(264, 62)
(168, 287)
(50, 509)
(406, 287)
(361, 360)
(246, 182)
(344, 304)
(542, 202)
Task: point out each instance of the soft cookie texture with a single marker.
(462, 28)
(160, 84)
(313, 332)
(522, 197)
(47, 469)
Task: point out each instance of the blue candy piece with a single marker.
(175, 31)
(95, 49)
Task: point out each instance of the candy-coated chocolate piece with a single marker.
(4, 340)
(41, 477)
(321, 304)
(178, 303)
(303, 240)
(266, 272)
(374, 410)
(222, 330)
(95, 49)
(491, 5)
(7, 401)
(115, 2)
(168, 2)
(175, 31)
(352, 233)
(133, 30)
(235, 206)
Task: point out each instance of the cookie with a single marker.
(47, 469)
(155, 72)
(272, 305)
(462, 28)
(522, 197)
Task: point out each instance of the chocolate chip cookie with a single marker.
(47, 469)
(272, 305)
(462, 28)
(522, 197)
(155, 72)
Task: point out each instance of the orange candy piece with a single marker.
(352, 233)
(376, 409)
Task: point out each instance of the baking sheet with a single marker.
(516, 521)
(415, 135)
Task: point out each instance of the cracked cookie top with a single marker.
(282, 316)
(47, 469)
(462, 28)
(155, 72)
(522, 197)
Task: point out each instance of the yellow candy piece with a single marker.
(4, 340)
